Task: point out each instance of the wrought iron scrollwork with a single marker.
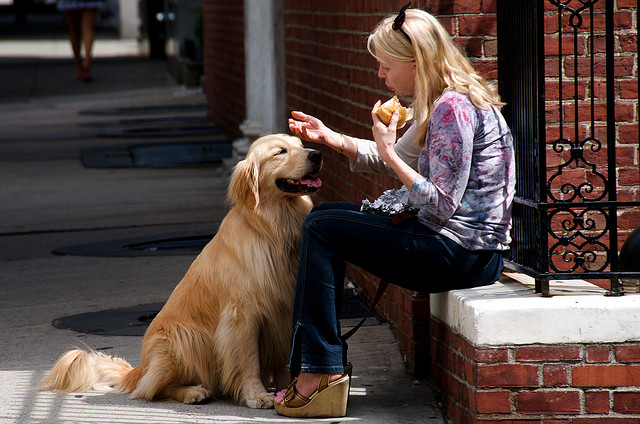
(579, 240)
(582, 190)
(578, 246)
(576, 14)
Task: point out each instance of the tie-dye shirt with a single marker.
(466, 180)
(467, 174)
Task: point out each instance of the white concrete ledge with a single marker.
(509, 312)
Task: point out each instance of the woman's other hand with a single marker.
(384, 136)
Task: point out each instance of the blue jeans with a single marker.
(407, 254)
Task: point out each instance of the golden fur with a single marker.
(225, 330)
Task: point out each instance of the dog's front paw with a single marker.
(196, 394)
(264, 401)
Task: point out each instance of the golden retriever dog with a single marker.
(225, 330)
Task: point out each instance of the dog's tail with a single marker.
(79, 370)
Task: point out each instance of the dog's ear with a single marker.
(243, 188)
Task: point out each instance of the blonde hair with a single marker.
(439, 64)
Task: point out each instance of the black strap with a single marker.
(381, 288)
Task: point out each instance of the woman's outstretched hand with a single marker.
(309, 128)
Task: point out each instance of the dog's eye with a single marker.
(282, 151)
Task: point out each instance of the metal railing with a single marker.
(566, 207)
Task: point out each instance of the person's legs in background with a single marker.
(88, 26)
(75, 36)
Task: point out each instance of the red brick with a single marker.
(628, 89)
(498, 402)
(606, 375)
(596, 402)
(477, 25)
(491, 355)
(469, 46)
(627, 177)
(461, 415)
(548, 353)
(507, 375)
(626, 156)
(555, 375)
(626, 402)
(489, 6)
(597, 354)
(455, 341)
(628, 353)
(548, 401)
(629, 220)
(490, 48)
(449, 7)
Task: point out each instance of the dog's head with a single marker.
(276, 165)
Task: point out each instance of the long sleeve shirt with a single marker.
(466, 180)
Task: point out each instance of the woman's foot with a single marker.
(314, 395)
(306, 384)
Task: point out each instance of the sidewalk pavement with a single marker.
(48, 199)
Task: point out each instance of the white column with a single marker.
(264, 73)
(129, 19)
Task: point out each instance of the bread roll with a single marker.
(386, 109)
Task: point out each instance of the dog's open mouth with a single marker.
(307, 184)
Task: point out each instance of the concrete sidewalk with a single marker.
(48, 199)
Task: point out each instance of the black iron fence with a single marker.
(560, 90)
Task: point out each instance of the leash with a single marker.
(381, 288)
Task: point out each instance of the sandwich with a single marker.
(385, 111)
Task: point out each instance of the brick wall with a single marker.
(223, 63)
(542, 384)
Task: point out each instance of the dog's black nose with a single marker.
(315, 156)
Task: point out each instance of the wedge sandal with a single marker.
(328, 401)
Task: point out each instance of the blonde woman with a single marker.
(456, 162)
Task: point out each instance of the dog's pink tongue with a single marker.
(313, 182)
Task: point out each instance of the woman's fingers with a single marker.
(295, 127)
(374, 115)
(393, 122)
(300, 116)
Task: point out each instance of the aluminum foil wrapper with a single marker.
(391, 202)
